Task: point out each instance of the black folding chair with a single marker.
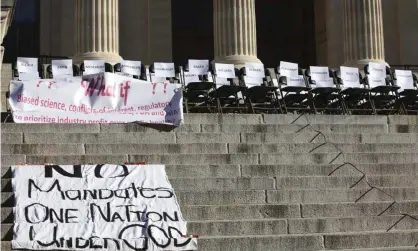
(408, 97)
(325, 98)
(355, 100)
(383, 97)
(260, 95)
(143, 76)
(294, 95)
(197, 94)
(49, 74)
(227, 96)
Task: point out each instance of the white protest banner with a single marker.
(225, 70)
(93, 66)
(190, 77)
(289, 69)
(27, 65)
(377, 70)
(86, 207)
(199, 67)
(98, 98)
(319, 73)
(164, 70)
(63, 67)
(254, 70)
(404, 80)
(297, 81)
(131, 67)
(349, 73)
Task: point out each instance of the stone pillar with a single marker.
(97, 30)
(235, 31)
(363, 32)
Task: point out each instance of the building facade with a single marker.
(310, 32)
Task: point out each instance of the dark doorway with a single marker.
(286, 32)
(192, 26)
(22, 38)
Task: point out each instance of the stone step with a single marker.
(295, 196)
(318, 148)
(216, 159)
(352, 209)
(181, 171)
(281, 183)
(231, 171)
(325, 169)
(74, 148)
(209, 128)
(252, 138)
(214, 212)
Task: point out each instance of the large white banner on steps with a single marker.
(109, 207)
(97, 98)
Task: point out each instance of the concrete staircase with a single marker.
(257, 182)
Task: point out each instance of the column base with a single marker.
(362, 62)
(107, 57)
(237, 60)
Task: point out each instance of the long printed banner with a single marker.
(97, 98)
(93, 207)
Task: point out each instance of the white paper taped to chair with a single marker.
(349, 73)
(324, 83)
(93, 67)
(377, 71)
(165, 70)
(225, 70)
(28, 76)
(131, 67)
(190, 77)
(297, 81)
(404, 80)
(199, 67)
(253, 81)
(255, 70)
(290, 70)
(319, 73)
(376, 82)
(62, 67)
(27, 64)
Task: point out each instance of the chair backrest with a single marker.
(168, 73)
(348, 77)
(379, 73)
(50, 74)
(40, 68)
(249, 81)
(404, 79)
(226, 74)
(318, 76)
(143, 76)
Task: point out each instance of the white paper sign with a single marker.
(155, 79)
(225, 70)
(404, 80)
(93, 66)
(131, 67)
(27, 64)
(351, 84)
(199, 67)
(164, 70)
(297, 81)
(190, 77)
(250, 81)
(376, 82)
(255, 70)
(377, 71)
(28, 76)
(63, 67)
(319, 73)
(289, 69)
(100, 98)
(324, 83)
(107, 207)
(349, 73)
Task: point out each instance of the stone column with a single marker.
(97, 30)
(363, 32)
(235, 31)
